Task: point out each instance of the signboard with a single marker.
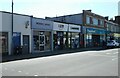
(16, 39)
(74, 28)
(60, 26)
(42, 24)
(95, 31)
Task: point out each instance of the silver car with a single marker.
(113, 43)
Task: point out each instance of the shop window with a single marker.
(89, 40)
(60, 40)
(47, 40)
(73, 40)
(4, 42)
(36, 42)
(41, 40)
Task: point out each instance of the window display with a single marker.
(60, 40)
(73, 40)
(41, 40)
(4, 42)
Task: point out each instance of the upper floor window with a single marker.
(101, 22)
(95, 21)
(87, 20)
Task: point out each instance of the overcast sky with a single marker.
(52, 8)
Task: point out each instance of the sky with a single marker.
(53, 8)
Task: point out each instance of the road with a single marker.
(88, 63)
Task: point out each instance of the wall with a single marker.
(75, 19)
(6, 27)
(0, 21)
(22, 24)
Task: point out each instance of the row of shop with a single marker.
(48, 35)
(40, 35)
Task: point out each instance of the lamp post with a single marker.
(12, 29)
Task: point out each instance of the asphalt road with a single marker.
(88, 63)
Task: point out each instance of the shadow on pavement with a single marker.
(7, 58)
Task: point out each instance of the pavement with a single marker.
(7, 58)
(87, 63)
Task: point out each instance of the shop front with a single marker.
(60, 32)
(110, 35)
(74, 36)
(42, 35)
(94, 37)
(117, 37)
(3, 42)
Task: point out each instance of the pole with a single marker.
(12, 30)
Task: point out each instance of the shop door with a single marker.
(60, 40)
(42, 42)
(96, 40)
(25, 44)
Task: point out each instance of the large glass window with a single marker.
(87, 20)
(60, 40)
(36, 42)
(95, 21)
(47, 40)
(41, 40)
(73, 40)
(101, 22)
(4, 42)
(89, 40)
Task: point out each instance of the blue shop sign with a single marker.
(95, 31)
(16, 39)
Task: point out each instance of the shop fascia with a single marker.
(74, 28)
(66, 27)
(41, 24)
(95, 31)
(60, 26)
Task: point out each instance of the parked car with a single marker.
(113, 43)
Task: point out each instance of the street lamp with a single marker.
(12, 29)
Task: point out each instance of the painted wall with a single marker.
(75, 18)
(22, 24)
(6, 22)
(0, 21)
(6, 27)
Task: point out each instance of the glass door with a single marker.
(41, 42)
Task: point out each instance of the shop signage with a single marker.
(95, 31)
(16, 34)
(16, 39)
(41, 24)
(74, 28)
(91, 31)
(60, 26)
(26, 24)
